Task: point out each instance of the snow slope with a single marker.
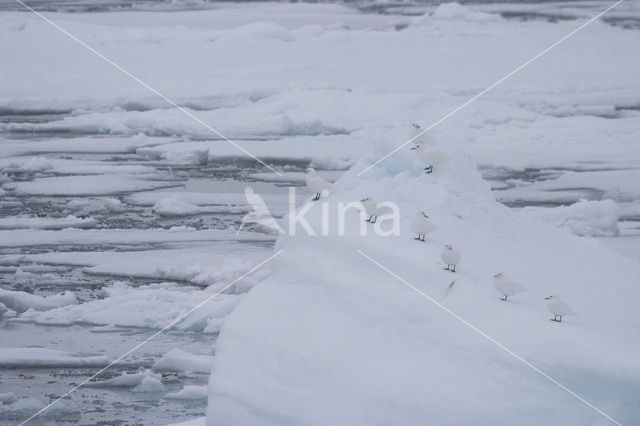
(331, 338)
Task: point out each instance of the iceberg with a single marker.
(336, 334)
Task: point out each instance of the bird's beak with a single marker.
(413, 149)
(362, 201)
(547, 298)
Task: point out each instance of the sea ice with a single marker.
(585, 218)
(41, 357)
(179, 360)
(189, 392)
(21, 301)
(317, 323)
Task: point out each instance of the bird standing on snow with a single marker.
(558, 307)
(371, 207)
(318, 185)
(451, 257)
(507, 287)
(421, 225)
(423, 155)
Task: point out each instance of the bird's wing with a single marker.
(436, 156)
(332, 186)
(255, 200)
(519, 287)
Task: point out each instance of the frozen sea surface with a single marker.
(118, 212)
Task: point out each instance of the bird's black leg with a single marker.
(417, 238)
(560, 320)
(316, 197)
(369, 220)
(454, 268)
(428, 169)
(374, 219)
(447, 268)
(423, 237)
(505, 297)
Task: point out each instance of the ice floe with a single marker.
(152, 306)
(21, 301)
(585, 218)
(25, 222)
(23, 408)
(126, 380)
(189, 392)
(181, 361)
(320, 323)
(42, 357)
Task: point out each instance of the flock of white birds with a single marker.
(421, 225)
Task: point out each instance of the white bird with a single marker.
(318, 185)
(558, 307)
(422, 154)
(421, 225)
(451, 257)
(507, 287)
(429, 157)
(371, 207)
(260, 214)
(375, 209)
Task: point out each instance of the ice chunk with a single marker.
(585, 218)
(179, 360)
(174, 207)
(22, 222)
(100, 205)
(125, 380)
(457, 12)
(194, 156)
(36, 164)
(20, 301)
(152, 306)
(41, 357)
(149, 384)
(189, 392)
(8, 398)
(90, 184)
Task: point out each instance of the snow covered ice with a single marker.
(119, 213)
(348, 319)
